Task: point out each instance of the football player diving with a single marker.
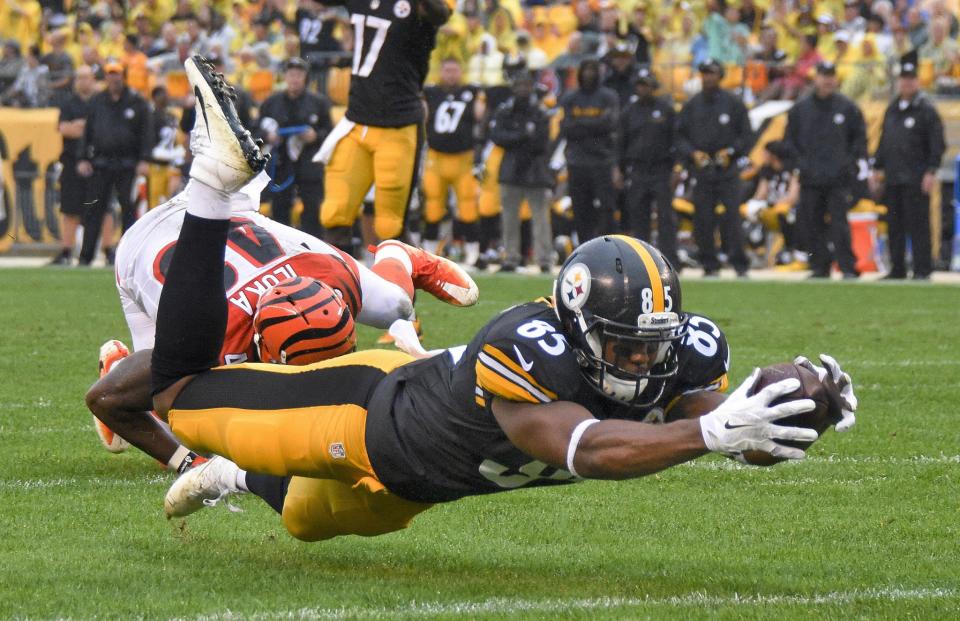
(545, 394)
(292, 299)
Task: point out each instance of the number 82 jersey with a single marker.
(438, 440)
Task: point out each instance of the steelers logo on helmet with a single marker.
(401, 9)
(302, 321)
(626, 328)
(575, 286)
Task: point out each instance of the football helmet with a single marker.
(301, 321)
(618, 300)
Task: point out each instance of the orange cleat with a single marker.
(440, 277)
(111, 353)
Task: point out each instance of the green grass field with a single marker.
(866, 527)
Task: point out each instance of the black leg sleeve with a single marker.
(272, 489)
(192, 315)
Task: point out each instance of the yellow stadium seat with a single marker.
(678, 77)
(261, 85)
(732, 77)
(177, 84)
(926, 73)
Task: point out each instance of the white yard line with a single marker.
(42, 484)
(508, 606)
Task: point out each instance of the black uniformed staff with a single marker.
(911, 147)
(827, 132)
(646, 160)
(589, 126)
(74, 188)
(294, 123)
(712, 133)
(117, 141)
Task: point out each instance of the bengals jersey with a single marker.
(432, 437)
(390, 61)
(450, 127)
(260, 253)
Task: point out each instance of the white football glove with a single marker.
(843, 382)
(743, 423)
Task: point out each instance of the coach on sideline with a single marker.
(827, 133)
(907, 160)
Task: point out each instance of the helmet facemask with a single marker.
(631, 364)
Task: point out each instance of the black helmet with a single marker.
(618, 300)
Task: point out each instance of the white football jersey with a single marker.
(260, 253)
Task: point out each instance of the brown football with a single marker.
(824, 394)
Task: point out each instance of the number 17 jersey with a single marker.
(390, 60)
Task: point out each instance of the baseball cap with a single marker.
(825, 67)
(710, 66)
(908, 64)
(295, 62)
(645, 76)
(113, 66)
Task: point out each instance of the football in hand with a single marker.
(826, 397)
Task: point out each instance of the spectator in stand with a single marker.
(486, 66)
(916, 27)
(534, 58)
(572, 57)
(167, 43)
(773, 58)
(589, 128)
(172, 62)
(622, 72)
(853, 22)
(940, 50)
(677, 47)
(74, 189)
(117, 141)
(939, 10)
(869, 73)
(826, 131)
(713, 131)
(646, 158)
(906, 163)
(31, 89)
(11, 62)
(638, 34)
(60, 66)
(883, 40)
(294, 124)
(726, 37)
(797, 79)
(522, 127)
(751, 15)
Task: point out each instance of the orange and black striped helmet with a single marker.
(301, 321)
(618, 300)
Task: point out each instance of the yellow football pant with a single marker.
(308, 422)
(443, 170)
(383, 156)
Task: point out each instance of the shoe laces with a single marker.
(212, 502)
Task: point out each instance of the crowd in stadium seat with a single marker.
(768, 50)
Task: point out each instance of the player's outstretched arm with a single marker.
(565, 434)
(435, 11)
(605, 449)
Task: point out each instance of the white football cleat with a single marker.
(202, 486)
(225, 156)
(111, 353)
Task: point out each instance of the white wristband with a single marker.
(575, 442)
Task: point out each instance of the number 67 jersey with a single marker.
(260, 253)
(431, 434)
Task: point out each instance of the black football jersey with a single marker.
(431, 434)
(450, 118)
(390, 60)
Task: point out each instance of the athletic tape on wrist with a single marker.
(575, 442)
